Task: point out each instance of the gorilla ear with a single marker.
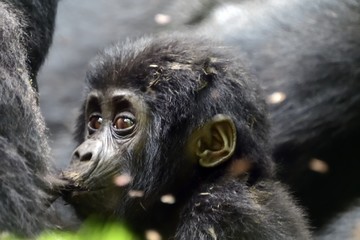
(214, 142)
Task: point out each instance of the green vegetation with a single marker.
(91, 230)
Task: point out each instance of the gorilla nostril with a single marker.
(86, 157)
(76, 155)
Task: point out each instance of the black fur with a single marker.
(182, 83)
(37, 18)
(25, 35)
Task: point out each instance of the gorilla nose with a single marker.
(83, 157)
(87, 151)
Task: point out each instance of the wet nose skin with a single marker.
(87, 151)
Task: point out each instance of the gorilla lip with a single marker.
(74, 174)
(73, 190)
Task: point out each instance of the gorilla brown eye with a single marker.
(124, 123)
(94, 122)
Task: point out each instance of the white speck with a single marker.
(204, 193)
(122, 180)
(168, 199)
(136, 193)
(319, 166)
(162, 19)
(276, 97)
(212, 233)
(152, 235)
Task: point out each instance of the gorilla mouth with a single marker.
(73, 192)
(83, 191)
(72, 186)
(75, 177)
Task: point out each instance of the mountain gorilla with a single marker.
(25, 34)
(173, 137)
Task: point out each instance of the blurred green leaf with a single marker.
(91, 230)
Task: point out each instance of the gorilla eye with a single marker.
(94, 122)
(124, 123)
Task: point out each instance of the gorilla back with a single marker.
(307, 54)
(173, 136)
(25, 34)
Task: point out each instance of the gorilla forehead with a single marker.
(148, 62)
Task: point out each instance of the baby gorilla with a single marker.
(173, 137)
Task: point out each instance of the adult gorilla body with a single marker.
(308, 53)
(25, 34)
